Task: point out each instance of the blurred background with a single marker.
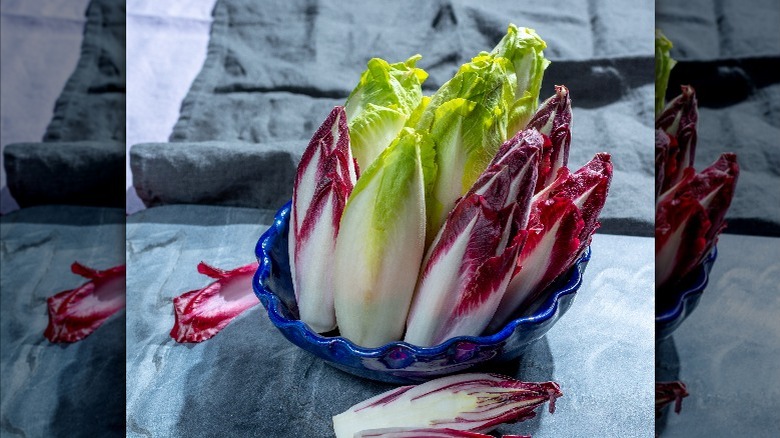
(62, 331)
(726, 351)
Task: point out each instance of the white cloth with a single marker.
(41, 42)
(166, 48)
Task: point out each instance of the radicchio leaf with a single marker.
(553, 120)
(668, 392)
(475, 402)
(679, 120)
(413, 432)
(324, 180)
(74, 314)
(689, 218)
(202, 313)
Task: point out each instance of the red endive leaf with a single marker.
(679, 120)
(413, 432)
(553, 120)
(74, 314)
(202, 313)
(668, 392)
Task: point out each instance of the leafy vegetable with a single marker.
(474, 402)
(381, 242)
(381, 104)
(325, 178)
(663, 67)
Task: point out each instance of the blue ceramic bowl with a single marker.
(672, 311)
(399, 362)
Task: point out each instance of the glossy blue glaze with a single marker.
(670, 313)
(399, 362)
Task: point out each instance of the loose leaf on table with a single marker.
(200, 314)
(472, 258)
(75, 314)
(325, 178)
(563, 219)
(553, 120)
(381, 104)
(412, 432)
(668, 392)
(689, 218)
(475, 402)
(381, 242)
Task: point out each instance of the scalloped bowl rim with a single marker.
(696, 289)
(262, 249)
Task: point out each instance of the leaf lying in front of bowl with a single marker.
(476, 402)
(668, 392)
(323, 182)
(553, 120)
(74, 314)
(690, 216)
(202, 313)
(472, 258)
(413, 432)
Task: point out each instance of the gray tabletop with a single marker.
(250, 381)
(57, 389)
(728, 350)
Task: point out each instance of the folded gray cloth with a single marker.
(82, 158)
(92, 104)
(273, 72)
(73, 173)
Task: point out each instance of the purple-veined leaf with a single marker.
(553, 120)
(668, 392)
(679, 120)
(325, 178)
(74, 314)
(465, 273)
(415, 432)
(689, 218)
(475, 402)
(202, 313)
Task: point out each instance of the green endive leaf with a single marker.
(663, 67)
(380, 246)
(380, 105)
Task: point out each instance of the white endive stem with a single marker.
(323, 182)
(381, 243)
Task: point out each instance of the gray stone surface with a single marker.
(237, 174)
(250, 381)
(728, 349)
(73, 390)
(74, 173)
